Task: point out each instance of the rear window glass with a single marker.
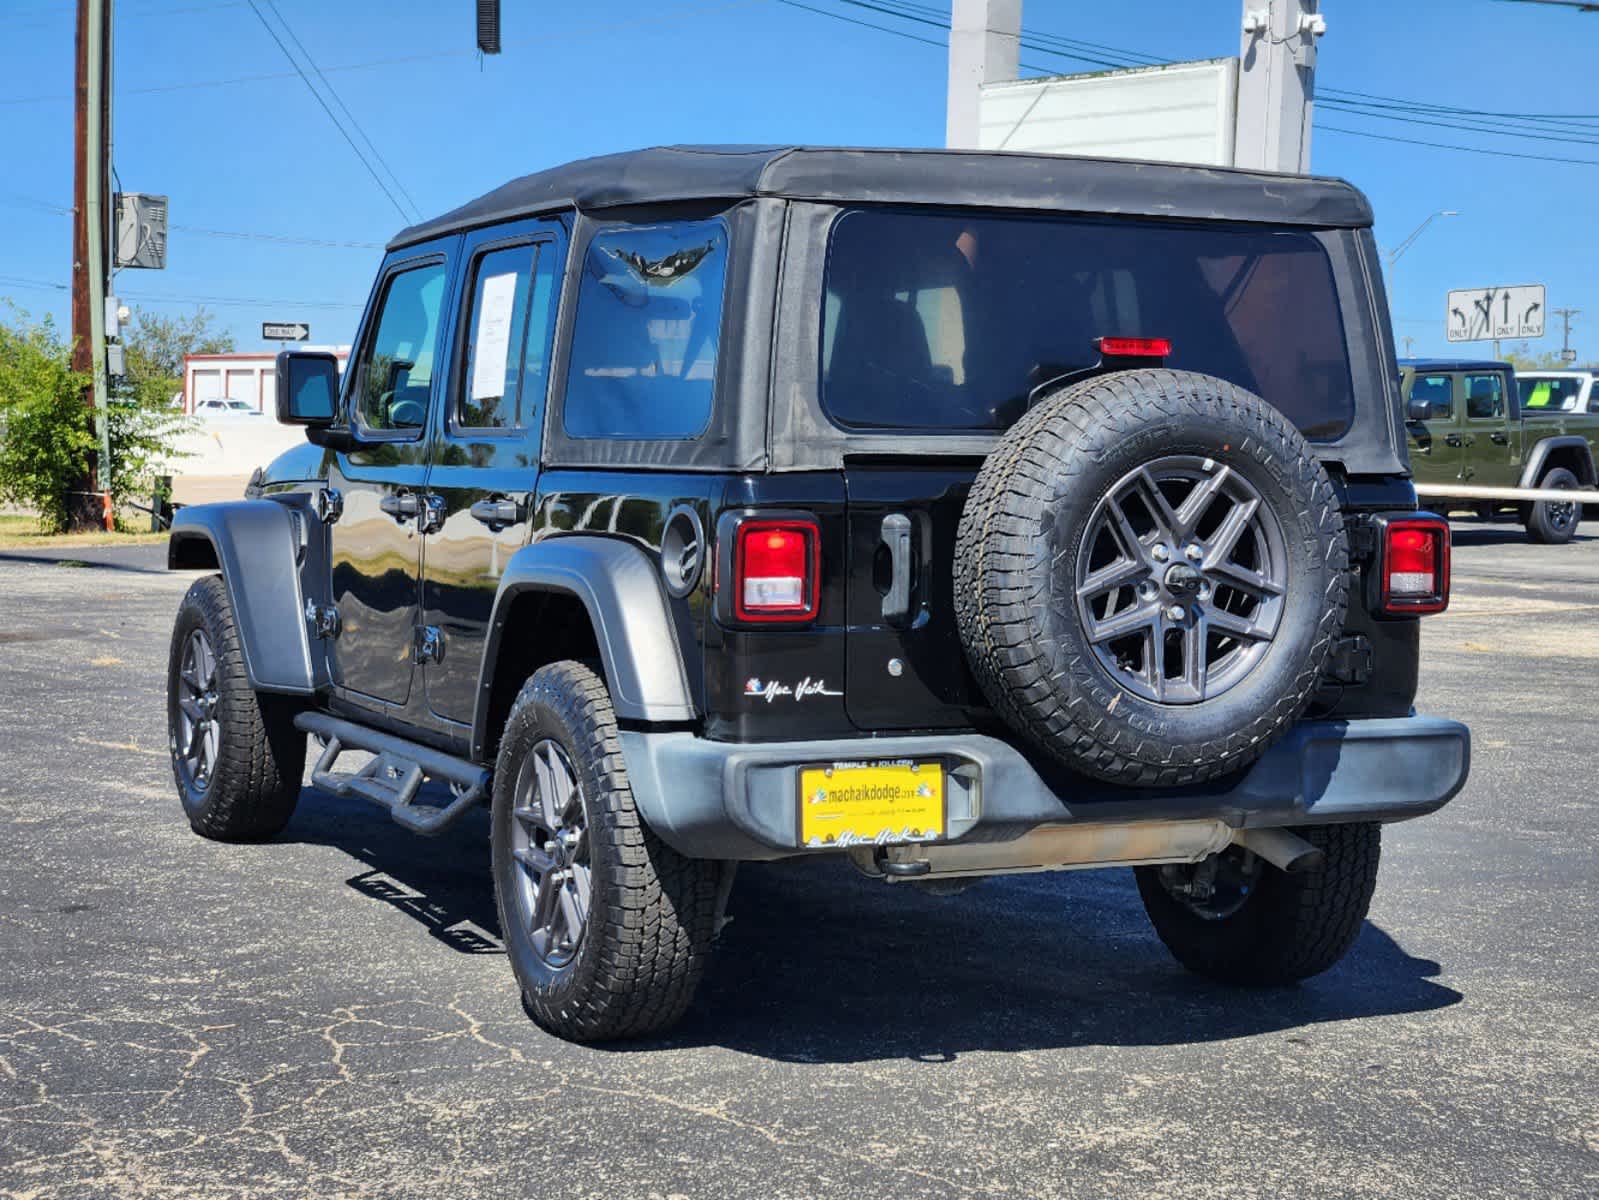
(948, 322)
(1549, 394)
(649, 312)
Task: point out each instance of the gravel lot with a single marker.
(330, 1015)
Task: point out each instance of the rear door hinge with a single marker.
(1351, 660)
(1361, 532)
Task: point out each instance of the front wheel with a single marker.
(236, 755)
(607, 928)
(1554, 522)
(1235, 918)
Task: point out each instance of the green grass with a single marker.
(18, 531)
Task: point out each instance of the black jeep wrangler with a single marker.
(957, 513)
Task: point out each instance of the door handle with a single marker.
(1454, 440)
(896, 535)
(497, 512)
(400, 505)
(1499, 439)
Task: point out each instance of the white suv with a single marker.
(1558, 391)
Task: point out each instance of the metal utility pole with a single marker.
(1410, 343)
(1276, 84)
(985, 44)
(87, 506)
(1565, 315)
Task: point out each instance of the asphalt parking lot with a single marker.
(329, 1015)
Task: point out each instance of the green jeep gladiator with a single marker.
(1468, 429)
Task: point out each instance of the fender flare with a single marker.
(619, 586)
(1586, 474)
(258, 546)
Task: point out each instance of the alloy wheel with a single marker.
(549, 841)
(198, 732)
(1181, 580)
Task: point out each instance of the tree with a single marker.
(1522, 358)
(45, 430)
(144, 422)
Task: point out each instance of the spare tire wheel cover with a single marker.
(1151, 573)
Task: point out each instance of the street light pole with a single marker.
(1397, 251)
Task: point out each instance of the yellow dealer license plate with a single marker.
(864, 804)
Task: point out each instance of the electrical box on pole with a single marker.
(141, 231)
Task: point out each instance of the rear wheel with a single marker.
(236, 755)
(607, 928)
(1235, 918)
(1554, 522)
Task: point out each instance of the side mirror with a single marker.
(308, 388)
(1420, 410)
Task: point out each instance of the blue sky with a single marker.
(261, 156)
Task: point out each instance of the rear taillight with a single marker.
(1413, 566)
(775, 568)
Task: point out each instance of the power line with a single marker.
(688, 13)
(255, 301)
(1338, 106)
(38, 19)
(282, 239)
(339, 100)
(1359, 104)
(20, 201)
(293, 62)
(1384, 137)
(143, 298)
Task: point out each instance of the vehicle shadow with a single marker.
(820, 964)
(442, 883)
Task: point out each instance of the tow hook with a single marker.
(901, 868)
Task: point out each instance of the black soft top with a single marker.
(947, 178)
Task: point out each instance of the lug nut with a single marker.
(1176, 612)
(1195, 552)
(1204, 591)
(1146, 590)
(1160, 553)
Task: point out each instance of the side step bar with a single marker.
(392, 779)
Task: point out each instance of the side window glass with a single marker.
(491, 391)
(1485, 397)
(1435, 391)
(644, 348)
(395, 376)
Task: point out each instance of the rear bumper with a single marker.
(740, 801)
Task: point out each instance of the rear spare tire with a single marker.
(1151, 572)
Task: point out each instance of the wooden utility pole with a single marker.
(86, 506)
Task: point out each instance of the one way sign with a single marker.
(284, 331)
